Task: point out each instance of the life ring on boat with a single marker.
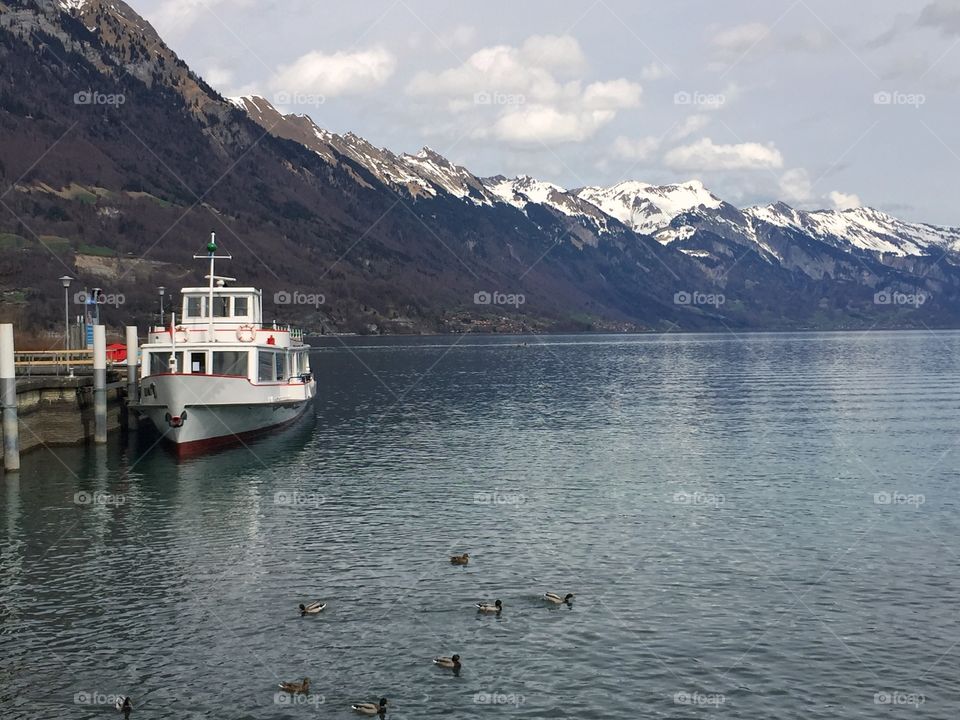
(246, 333)
(182, 334)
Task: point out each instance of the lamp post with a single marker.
(65, 281)
(162, 290)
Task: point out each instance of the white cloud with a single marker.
(175, 15)
(689, 126)
(737, 40)
(556, 52)
(795, 186)
(611, 95)
(755, 41)
(635, 149)
(528, 70)
(526, 95)
(218, 77)
(462, 35)
(942, 14)
(493, 69)
(704, 154)
(653, 71)
(340, 73)
(815, 39)
(539, 124)
(844, 201)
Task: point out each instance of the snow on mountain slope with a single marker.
(524, 190)
(301, 128)
(459, 182)
(425, 174)
(387, 167)
(647, 208)
(862, 228)
(673, 214)
(520, 191)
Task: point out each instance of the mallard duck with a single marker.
(124, 704)
(554, 598)
(488, 608)
(460, 559)
(448, 662)
(296, 687)
(371, 708)
(313, 608)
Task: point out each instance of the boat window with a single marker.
(280, 363)
(160, 362)
(240, 307)
(221, 306)
(198, 363)
(195, 307)
(230, 362)
(265, 366)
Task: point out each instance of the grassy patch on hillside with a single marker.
(12, 241)
(55, 243)
(138, 195)
(97, 250)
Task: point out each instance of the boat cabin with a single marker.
(229, 306)
(220, 332)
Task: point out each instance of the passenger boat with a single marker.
(219, 375)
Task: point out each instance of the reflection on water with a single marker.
(758, 526)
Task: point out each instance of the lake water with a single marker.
(755, 526)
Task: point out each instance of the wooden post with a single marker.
(8, 390)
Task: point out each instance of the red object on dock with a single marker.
(116, 352)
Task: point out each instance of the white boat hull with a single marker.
(198, 412)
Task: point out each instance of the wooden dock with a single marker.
(63, 397)
(59, 410)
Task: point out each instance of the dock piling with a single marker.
(132, 358)
(8, 391)
(100, 384)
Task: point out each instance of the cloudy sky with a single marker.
(815, 102)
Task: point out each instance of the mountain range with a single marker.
(116, 161)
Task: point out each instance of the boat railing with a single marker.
(296, 334)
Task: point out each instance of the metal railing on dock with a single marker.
(52, 362)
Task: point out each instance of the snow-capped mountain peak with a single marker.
(588, 221)
(428, 153)
(647, 208)
(522, 190)
(863, 228)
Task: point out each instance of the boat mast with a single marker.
(211, 251)
(212, 256)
